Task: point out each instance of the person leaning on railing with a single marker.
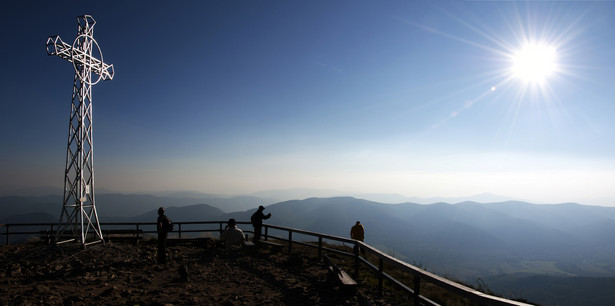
(257, 221)
(357, 232)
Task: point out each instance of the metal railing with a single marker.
(22, 230)
(290, 236)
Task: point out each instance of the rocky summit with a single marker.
(197, 273)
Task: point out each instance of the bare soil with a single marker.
(197, 273)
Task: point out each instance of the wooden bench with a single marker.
(203, 242)
(347, 285)
(248, 248)
(134, 234)
(49, 236)
(246, 244)
(275, 247)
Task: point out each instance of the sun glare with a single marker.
(534, 63)
(532, 55)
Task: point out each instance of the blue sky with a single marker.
(410, 97)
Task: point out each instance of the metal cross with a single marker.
(79, 219)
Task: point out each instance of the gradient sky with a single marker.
(409, 97)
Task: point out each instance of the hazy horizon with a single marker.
(417, 98)
(281, 195)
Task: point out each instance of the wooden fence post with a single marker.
(417, 290)
(356, 260)
(290, 241)
(380, 275)
(52, 235)
(319, 247)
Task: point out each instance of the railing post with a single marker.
(417, 290)
(138, 231)
(266, 232)
(7, 234)
(180, 230)
(356, 259)
(290, 241)
(380, 275)
(50, 234)
(319, 247)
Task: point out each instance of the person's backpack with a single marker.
(254, 218)
(168, 225)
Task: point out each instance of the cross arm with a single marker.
(55, 46)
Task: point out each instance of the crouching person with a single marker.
(232, 237)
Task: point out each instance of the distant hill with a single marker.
(122, 205)
(20, 205)
(489, 238)
(190, 213)
(37, 217)
(114, 206)
(388, 198)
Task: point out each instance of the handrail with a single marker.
(419, 274)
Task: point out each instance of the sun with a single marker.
(534, 63)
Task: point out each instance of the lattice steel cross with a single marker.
(79, 219)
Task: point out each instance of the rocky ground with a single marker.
(197, 273)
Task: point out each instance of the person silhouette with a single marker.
(163, 228)
(257, 222)
(357, 232)
(233, 237)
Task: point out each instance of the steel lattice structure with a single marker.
(79, 219)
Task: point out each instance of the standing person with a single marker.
(257, 221)
(164, 226)
(357, 232)
(232, 236)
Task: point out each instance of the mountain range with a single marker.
(505, 244)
